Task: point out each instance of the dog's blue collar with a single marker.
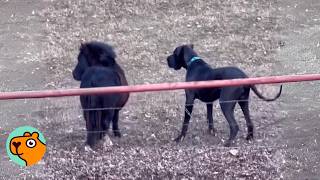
(193, 59)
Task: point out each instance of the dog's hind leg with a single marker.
(228, 111)
(245, 109)
(115, 126)
(211, 129)
(187, 116)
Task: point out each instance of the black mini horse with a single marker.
(97, 68)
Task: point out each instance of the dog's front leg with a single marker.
(211, 128)
(187, 116)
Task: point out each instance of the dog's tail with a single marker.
(255, 90)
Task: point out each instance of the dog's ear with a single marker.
(191, 46)
(177, 52)
(176, 60)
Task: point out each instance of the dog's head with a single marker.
(177, 60)
(93, 54)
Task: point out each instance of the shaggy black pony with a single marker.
(97, 67)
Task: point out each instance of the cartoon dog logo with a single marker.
(28, 147)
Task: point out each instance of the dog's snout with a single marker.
(16, 144)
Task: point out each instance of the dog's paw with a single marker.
(180, 138)
(212, 131)
(249, 137)
(117, 134)
(229, 143)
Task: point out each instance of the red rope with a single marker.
(158, 87)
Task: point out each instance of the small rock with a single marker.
(62, 160)
(147, 115)
(281, 43)
(234, 152)
(41, 162)
(69, 131)
(109, 36)
(197, 138)
(87, 148)
(153, 136)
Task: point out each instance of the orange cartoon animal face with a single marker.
(28, 147)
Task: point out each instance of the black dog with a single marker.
(198, 70)
(97, 68)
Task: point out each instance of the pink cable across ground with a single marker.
(158, 87)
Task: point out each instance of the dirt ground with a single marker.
(39, 45)
(21, 38)
(300, 129)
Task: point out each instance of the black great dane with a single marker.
(198, 70)
(97, 67)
